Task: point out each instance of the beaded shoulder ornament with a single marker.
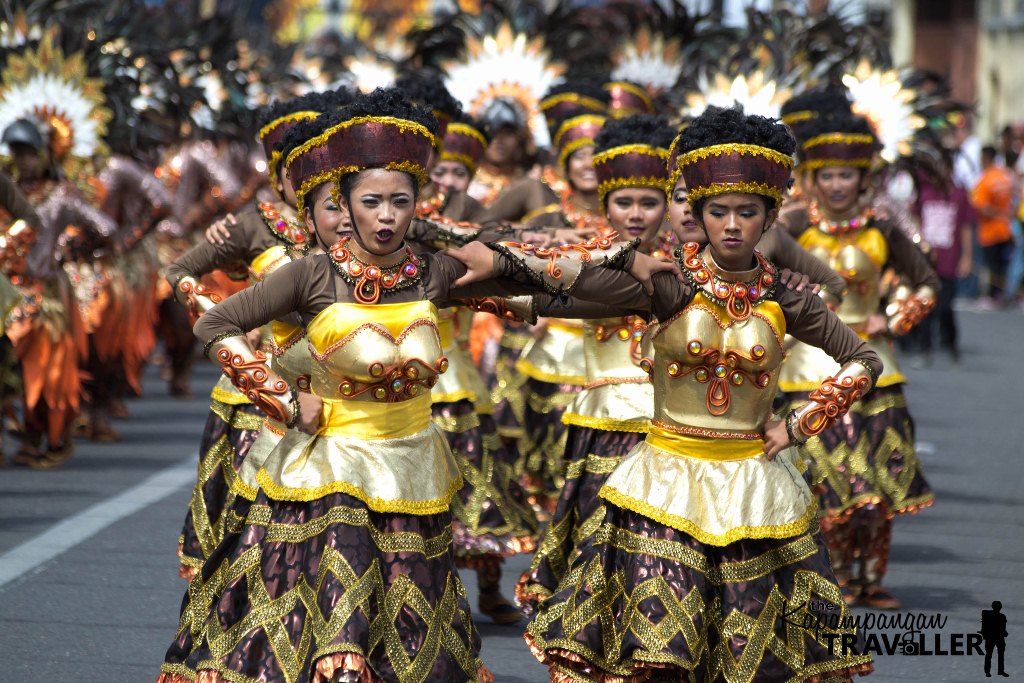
(371, 280)
(738, 298)
(294, 235)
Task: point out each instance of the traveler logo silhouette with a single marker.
(993, 630)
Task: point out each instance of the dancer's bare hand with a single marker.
(644, 267)
(776, 438)
(220, 231)
(310, 407)
(479, 262)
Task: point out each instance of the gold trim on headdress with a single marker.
(619, 108)
(634, 165)
(341, 163)
(575, 98)
(579, 125)
(465, 144)
(294, 117)
(838, 148)
(720, 169)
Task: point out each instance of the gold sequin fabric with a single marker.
(491, 514)
(868, 457)
(229, 434)
(643, 601)
(297, 583)
(590, 456)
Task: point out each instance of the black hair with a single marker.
(989, 151)
(848, 123)
(314, 101)
(826, 103)
(426, 88)
(638, 129)
(585, 83)
(718, 126)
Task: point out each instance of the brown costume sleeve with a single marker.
(793, 219)
(786, 253)
(908, 260)
(809, 320)
(518, 201)
(247, 240)
(305, 286)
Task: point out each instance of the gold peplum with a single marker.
(374, 367)
(859, 257)
(291, 360)
(618, 395)
(462, 380)
(556, 357)
(700, 468)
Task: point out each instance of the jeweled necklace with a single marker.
(861, 220)
(295, 235)
(371, 280)
(738, 297)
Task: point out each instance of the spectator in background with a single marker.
(993, 199)
(946, 217)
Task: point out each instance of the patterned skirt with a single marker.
(867, 458)
(646, 602)
(492, 518)
(545, 439)
(302, 590)
(590, 456)
(506, 385)
(230, 431)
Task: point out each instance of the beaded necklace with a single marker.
(371, 280)
(290, 232)
(840, 228)
(738, 297)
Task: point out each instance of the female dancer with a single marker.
(265, 237)
(343, 568)
(612, 412)
(865, 467)
(709, 534)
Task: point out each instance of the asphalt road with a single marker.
(89, 591)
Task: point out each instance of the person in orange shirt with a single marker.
(993, 198)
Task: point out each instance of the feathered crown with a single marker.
(650, 59)
(43, 85)
(757, 93)
(880, 97)
(504, 66)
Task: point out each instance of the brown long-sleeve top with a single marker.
(518, 202)
(780, 248)
(903, 255)
(14, 202)
(249, 238)
(311, 285)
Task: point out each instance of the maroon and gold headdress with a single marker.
(465, 144)
(358, 144)
(271, 135)
(627, 99)
(635, 165)
(576, 132)
(735, 167)
(558, 106)
(838, 149)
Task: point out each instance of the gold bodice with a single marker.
(268, 261)
(462, 380)
(858, 257)
(290, 357)
(383, 353)
(714, 375)
(618, 395)
(557, 356)
(611, 348)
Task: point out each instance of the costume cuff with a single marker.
(907, 309)
(557, 269)
(516, 308)
(830, 401)
(249, 372)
